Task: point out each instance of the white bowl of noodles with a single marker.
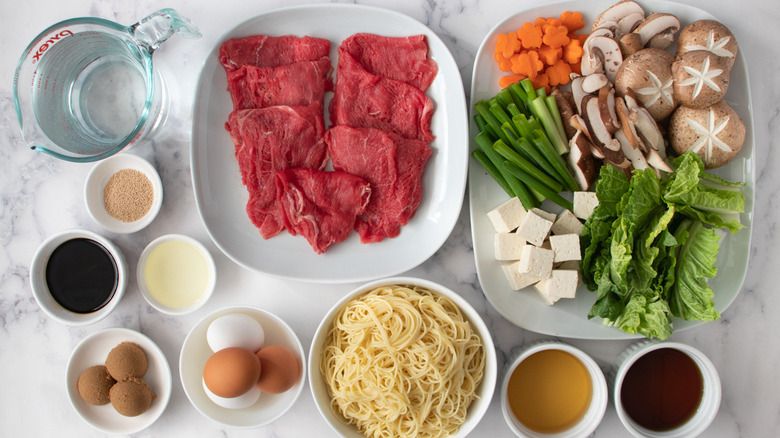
(416, 336)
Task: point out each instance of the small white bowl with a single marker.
(711, 390)
(96, 182)
(40, 288)
(195, 351)
(598, 404)
(93, 350)
(478, 406)
(141, 275)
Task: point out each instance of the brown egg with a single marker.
(281, 370)
(231, 372)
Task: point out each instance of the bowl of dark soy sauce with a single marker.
(78, 277)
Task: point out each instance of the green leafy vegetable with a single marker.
(649, 249)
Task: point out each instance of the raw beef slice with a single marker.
(321, 206)
(404, 59)
(394, 167)
(365, 100)
(300, 83)
(271, 139)
(269, 51)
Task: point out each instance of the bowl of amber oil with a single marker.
(553, 390)
(665, 389)
(123, 193)
(78, 277)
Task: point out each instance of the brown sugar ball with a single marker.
(126, 360)
(94, 385)
(132, 397)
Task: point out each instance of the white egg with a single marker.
(235, 330)
(244, 400)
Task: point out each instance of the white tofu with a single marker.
(534, 228)
(545, 214)
(517, 280)
(584, 204)
(567, 223)
(562, 283)
(509, 246)
(571, 265)
(565, 247)
(507, 216)
(541, 291)
(536, 262)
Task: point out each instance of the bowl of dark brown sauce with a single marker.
(78, 277)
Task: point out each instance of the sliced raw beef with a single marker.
(271, 139)
(300, 83)
(321, 206)
(404, 59)
(392, 164)
(269, 51)
(365, 100)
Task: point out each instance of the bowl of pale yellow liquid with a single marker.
(552, 389)
(176, 274)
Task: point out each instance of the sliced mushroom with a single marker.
(627, 126)
(630, 43)
(577, 93)
(617, 12)
(648, 129)
(565, 108)
(606, 98)
(657, 162)
(581, 161)
(601, 54)
(597, 128)
(658, 30)
(628, 24)
(634, 154)
(593, 82)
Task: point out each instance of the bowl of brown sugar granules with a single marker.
(123, 193)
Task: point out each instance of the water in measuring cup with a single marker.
(91, 92)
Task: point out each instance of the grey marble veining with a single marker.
(40, 196)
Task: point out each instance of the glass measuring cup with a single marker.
(85, 88)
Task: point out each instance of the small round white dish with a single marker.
(40, 288)
(485, 390)
(195, 352)
(93, 350)
(96, 182)
(172, 270)
(598, 403)
(710, 398)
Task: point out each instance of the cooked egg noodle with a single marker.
(402, 361)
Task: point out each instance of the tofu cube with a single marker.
(571, 265)
(567, 223)
(541, 291)
(507, 216)
(509, 246)
(534, 228)
(561, 283)
(536, 262)
(517, 280)
(584, 204)
(565, 247)
(545, 214)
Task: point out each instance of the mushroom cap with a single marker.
(708, 35)
(649, 73)
(716, 133)
(701, 79)
(658, 30)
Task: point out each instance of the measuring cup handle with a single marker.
(159, 26)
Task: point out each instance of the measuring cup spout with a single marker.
(161, 25)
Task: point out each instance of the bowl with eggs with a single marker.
(242, 367)
(419, 347)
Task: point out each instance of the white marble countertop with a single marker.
(40, 195)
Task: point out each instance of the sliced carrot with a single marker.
(576, 67)
(530, 36)
(550, 55)
(572, 52)
(504, 64)
(558, 73)
(527, 63)
(556, 36)
(572, 20)
(540, 81)
(507, 80)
